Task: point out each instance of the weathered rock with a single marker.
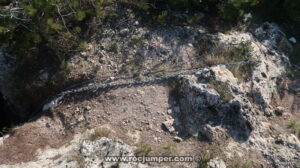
(293, 40)
(216, 163)
(280, 110)
(169, 125)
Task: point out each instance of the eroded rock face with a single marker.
(206, 113)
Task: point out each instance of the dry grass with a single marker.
(143, 150)
(227, 54)
(240, 164)
(79, 160)
(223, 89)
(169, 149)
(294, 126)
(99, 133)
(242, 72)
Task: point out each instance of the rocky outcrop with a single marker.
(84, 153)
(205, 112)
(227, 105)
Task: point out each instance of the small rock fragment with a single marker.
(293, 40)
(178, 139)
(279, 111)
(216, 163)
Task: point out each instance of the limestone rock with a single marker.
(216, 163)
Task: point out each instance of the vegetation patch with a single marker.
(223, 89)
(79, 160)
(169, 148)
(226, 54)
(204, 158)
(240, 164)
(136, 41)
(143, 150)
(294, 126)
(114, 48)
(242, 72)
(99, 133)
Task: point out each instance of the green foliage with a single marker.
(114, 48)
(195, 9)
(295, 127)
(45, 31)
(194, 19)
(232, 9)
(80, 15)
(162, 18)
(136, 41)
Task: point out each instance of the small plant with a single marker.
(227, 54)
(295, 127)
(159, 74)
(203, 162)
(223, 89)
(99, 133)
(143, 150)
(114, 48)
(170, 148)
(242, 72)
(240, 164)
(194, 19)
(162, 18)
(79, 160)
(136, 41)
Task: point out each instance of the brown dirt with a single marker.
(290, 100)
(133, 115)
(22, 144)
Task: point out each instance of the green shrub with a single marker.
(232, 9)
(45, 32)
(224, 9)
